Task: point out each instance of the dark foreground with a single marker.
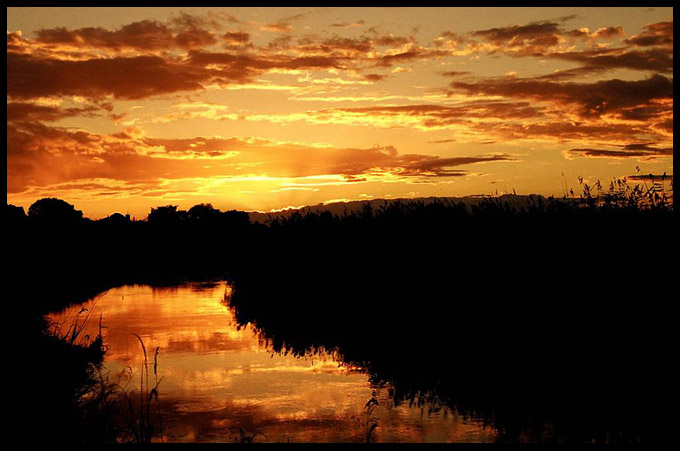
(556, 315)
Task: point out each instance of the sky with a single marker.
(125, 109)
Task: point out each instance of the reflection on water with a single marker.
(218, 378)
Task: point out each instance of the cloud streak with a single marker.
(641, 150)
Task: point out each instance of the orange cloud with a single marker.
(38, 155)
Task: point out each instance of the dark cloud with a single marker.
(358, 23)
(31, 76)
(608, 32)
(568, 18)
(193, 39)
(236, 37)
(655, 59)
(657, 34)
(421, 165)
(638, 150)
(559, 130)
(88, 61)
(414, 53)
(533, 38)
(334, 46)
(392, 41)
(374, 77)
(592, 99)
(284, 25)
(665, 126)
(240, 66)
(145, 35)
(31, 112)
(455, 73)
(440, 115)
(213, 20)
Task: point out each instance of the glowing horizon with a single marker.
(124, 109)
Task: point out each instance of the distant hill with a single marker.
(340, 208)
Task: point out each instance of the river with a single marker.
(221, 382)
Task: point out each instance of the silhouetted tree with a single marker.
(204, 213)
(55, 211)
(166, 215)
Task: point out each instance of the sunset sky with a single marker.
(124, 109)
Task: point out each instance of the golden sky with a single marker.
(123, 109)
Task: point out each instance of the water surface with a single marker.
(219, 378)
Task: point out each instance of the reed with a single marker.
(108, 410)
(142, 425)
